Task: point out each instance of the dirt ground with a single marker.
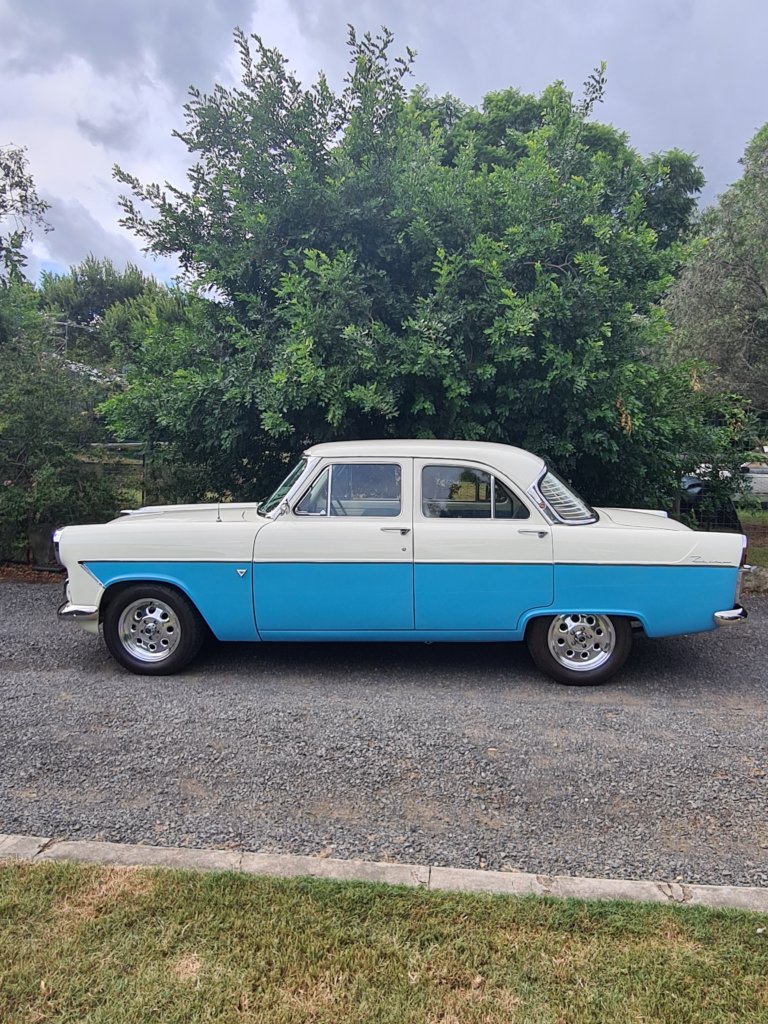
(16, 573)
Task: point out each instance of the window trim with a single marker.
(494, 477)
(348, 462)
(550, 511)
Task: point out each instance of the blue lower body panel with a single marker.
(223, 598)
(476, 596)
(353, 596)
(375, 601)
(669, 600)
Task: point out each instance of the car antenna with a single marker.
(218, 510)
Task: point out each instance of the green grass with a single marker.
(109, 945)
(755, 525)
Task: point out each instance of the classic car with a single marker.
(404, 541)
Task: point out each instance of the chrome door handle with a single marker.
(539, 533)
(402, 530)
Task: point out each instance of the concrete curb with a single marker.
(511, 883)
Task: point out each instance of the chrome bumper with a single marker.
(82, 614)
(736, 614)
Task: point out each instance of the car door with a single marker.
(482, 552)
(340, 560)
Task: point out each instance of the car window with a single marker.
(354, 489)
(506, 505)
(315, 499)
(461, 492)
(567, 504)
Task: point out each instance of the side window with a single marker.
(506, 505)
(458, 492)
(315, 500)
(354, 489)
(455, 492)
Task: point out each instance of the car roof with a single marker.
(522, 465)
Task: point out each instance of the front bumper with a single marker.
(84, 615)
(727, 618)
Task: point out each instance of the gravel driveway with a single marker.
(457, 754)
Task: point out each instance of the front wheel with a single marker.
(151, 629)
(580, 649)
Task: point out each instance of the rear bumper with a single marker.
(727, 618)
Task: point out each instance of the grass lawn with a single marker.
(755, 525)
(84, 944)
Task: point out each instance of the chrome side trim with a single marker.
(83, 614)
(726, 618)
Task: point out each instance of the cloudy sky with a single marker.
(85, 84)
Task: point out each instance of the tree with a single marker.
(82, 304)
(47, 422)
(719, 305)
(388, 265)
(21, 209)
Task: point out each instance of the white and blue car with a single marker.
(404, 541)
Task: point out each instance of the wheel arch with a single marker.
(116, 587)
(636, 619)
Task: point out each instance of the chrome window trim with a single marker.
(309, 485)
(353, 462)
(549, 510)
(289, 496)
(513, 491)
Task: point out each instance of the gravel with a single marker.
(459, 755)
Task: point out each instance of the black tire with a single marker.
(602, 639)
(152, 630)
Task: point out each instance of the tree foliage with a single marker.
(720, 303)
(83, 304)
(47, 422)
(382, 263)
(21, 210)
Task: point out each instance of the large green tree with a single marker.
(92, 306)
(48, 474)
(720, 302)
(379, 263)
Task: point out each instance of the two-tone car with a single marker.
(402, 541)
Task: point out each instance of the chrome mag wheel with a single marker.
(581, 642)
(149, 629)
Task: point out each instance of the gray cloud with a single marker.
(118, 130)
(179, 41)
(686, 73)
(77, 233)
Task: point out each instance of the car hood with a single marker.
(639, 518)
(204, 513)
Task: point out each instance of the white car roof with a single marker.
(522, 466)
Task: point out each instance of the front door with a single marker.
(340, 561)
(482, 553)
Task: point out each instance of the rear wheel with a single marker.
(580, 649)
(151, 629)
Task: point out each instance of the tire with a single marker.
(152, 630)
(579, 649)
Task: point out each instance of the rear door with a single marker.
(482, 552)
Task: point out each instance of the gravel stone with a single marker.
(457, 755)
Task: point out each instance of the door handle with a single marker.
(402, 530)
(539, 533)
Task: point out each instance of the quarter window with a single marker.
(460, 492)
(354, 489)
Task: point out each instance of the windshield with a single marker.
(277, 496)
(565, 502)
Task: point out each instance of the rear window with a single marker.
(564, 500)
